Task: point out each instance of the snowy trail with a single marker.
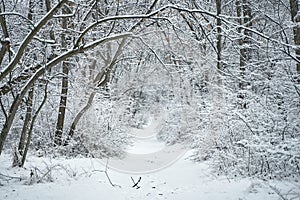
(144, 140)
(147, 154)
(82, 178)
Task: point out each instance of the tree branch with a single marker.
(28, 39)
(18, 99)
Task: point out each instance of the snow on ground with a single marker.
(147, 154)
(80, 179)
(144, 140)
(85, 178)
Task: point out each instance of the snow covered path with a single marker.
(147, 154)
(84, 179)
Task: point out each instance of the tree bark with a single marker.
(219, 36)
(295, 6)
(5, 43)
(244, 15)
(79, 115)
(31, 128)
(28, 115)
(62, 106)
(64, 91)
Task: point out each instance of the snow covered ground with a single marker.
(147, 154)
(82, 178)
(85, 178)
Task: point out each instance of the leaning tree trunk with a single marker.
(19, 153)
(29, 135)
(105, 73)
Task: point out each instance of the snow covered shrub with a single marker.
(171, 129)
(262, 139)
(103, 131)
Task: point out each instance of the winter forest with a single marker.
(216, 82)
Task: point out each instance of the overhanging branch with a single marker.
(28, 39)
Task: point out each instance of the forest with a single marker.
(220, 78)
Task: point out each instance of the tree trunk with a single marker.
(295, 6)
(241, 41)
(244, 15)
(219, 43)
(106, 72)
(64, 91)
(31, 128)
(79, 115)
(219, 36)
(5, 43)
(62, 106)
(19, 153)
(10, 118)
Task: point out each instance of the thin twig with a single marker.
(107, 175)
(11, 177)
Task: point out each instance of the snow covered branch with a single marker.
(28, 39)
